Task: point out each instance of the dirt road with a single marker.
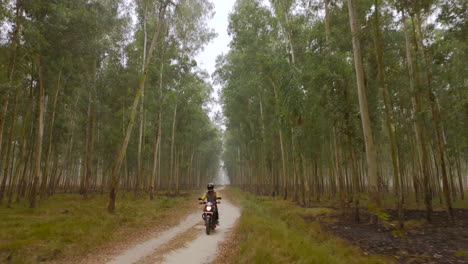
(189, 237)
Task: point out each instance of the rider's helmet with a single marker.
(210, 186)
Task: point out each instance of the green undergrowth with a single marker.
(271, 230)
(66, 226)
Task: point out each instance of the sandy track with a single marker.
(203, 249)
(200, 250)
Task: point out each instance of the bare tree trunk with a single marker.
(123, 149)
(43, 189)
(339, 170)
(172, 170)
(5, 95)
(416, 103)
(435, 120)
(158, 132)
(90, 134)
(387, 105)
(8, 149)
(39, 134)
(460, 181)
(283, 158)
(21, 159)
(142, 108)
(295, 171)
(371, 155)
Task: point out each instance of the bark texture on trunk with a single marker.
(39, 135)
(371, 156)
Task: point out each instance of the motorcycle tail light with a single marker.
(208, 208)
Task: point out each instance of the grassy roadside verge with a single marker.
(271, 230)
(66, 226)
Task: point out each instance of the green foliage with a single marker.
(291, 104)
(92, 57)
(374, 210)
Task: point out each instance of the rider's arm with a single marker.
(217, 196)
(204, 197)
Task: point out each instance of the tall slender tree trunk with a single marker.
(90, 134)
(8, 155)
(435, 119)
(371, 155)
(21, 159)
(43, 188)
(172, 169)
(280, 132)
(158, 132)
(39, 135)
(5, 95)
(416, 104)
(142, 108)
(339, 170)
(118, 163)
(387, 105)
(294, 168)
(459, 173)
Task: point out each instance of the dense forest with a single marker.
(341, 125)
(101, 96)
(358, 100)
(355, 100)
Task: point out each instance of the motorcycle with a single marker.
(209, 215)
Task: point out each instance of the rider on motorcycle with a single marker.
(212, 196)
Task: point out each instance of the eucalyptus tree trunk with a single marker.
(459, 173)
(3, 111)
(435, 117)
(8, 155)
(172, 169)
(5, 94)
(416, 105)
(387, 105)
(43, 189)
(39, 135)
(339, 170)
(27, 154)
(294, 168)
(283, 158)
(371, 155)
(179, 159)
(121, 154)
(90, 138)
(158, 132)
(142, 108)
(22, 156)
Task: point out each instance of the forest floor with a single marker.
(65, 227)
(274, 231)
(420, 242)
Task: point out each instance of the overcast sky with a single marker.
(207, 59)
